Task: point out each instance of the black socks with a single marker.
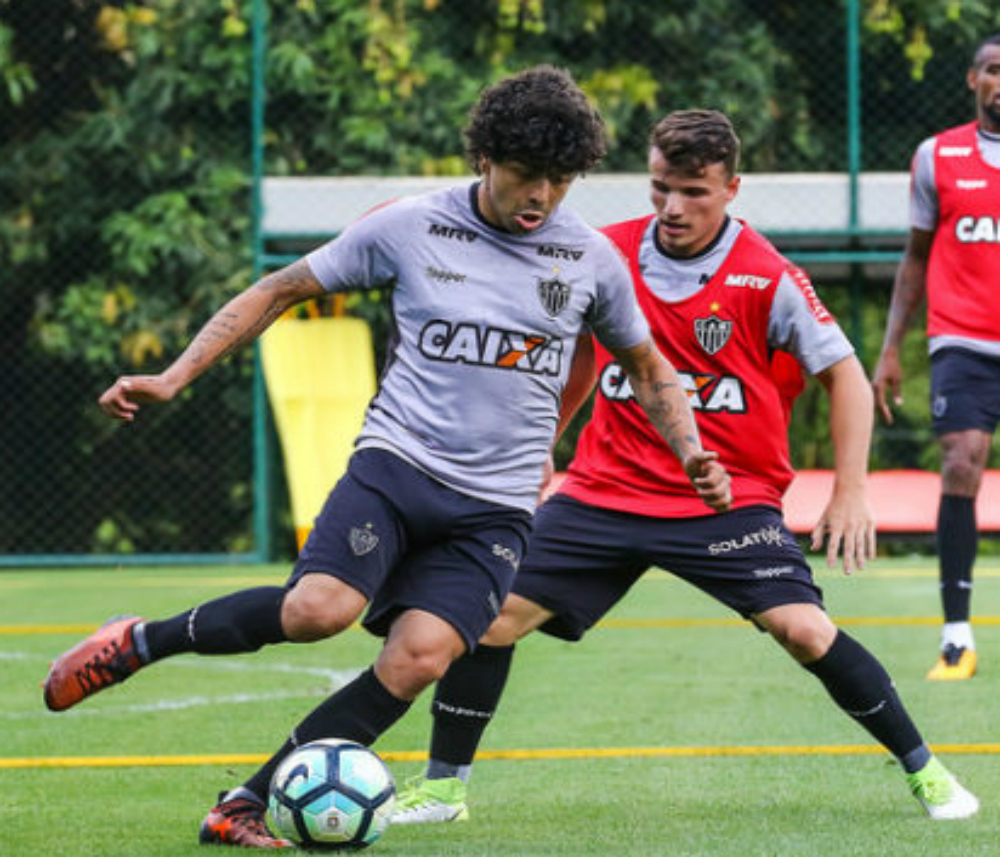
(860, 685)
(957, 543)
(241, 622)
(359, 711)
(464, 702)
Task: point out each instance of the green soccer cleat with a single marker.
(940, 793)
(424, 801)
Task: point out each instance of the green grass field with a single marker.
(696, 734)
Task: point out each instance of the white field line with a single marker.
(333, 679)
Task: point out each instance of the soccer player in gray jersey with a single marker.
(952, 261)
(492, 286)
(610, 522)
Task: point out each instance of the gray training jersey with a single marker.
(485, 329)
(792, 327)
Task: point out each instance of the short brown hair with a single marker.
(692, 140)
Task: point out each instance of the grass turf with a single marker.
(650, 679)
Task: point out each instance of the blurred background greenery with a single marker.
(126, 217)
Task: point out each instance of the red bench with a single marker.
(904, 501)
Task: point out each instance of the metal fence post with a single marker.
(853, 26)
(261, 447)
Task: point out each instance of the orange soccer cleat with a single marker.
(106, 657)
(238, 822)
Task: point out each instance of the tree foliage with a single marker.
(124, 185)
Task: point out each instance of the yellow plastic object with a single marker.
(320, 376)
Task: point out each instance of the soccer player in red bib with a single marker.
(736, 318)
(952, 260)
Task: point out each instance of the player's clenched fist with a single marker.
(122, 399)
(710, 479)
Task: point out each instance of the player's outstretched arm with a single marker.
(908, 293)
(658, 390)
(847, 522)
(240, 321)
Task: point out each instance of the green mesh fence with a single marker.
(125, 188)
(128, 175)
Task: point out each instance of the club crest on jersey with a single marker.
(554, 295)
(362, 540)
(712, 333)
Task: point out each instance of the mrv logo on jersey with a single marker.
(457, 233)
(748, 281)
(553, 252)
(706, 392)
(479, 345)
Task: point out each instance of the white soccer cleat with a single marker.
(944, 797)
(426, 801)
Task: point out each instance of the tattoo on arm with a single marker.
(661, 395)
(283, 288)
(670, 420)
(271, 313)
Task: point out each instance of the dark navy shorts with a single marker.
(582, 559)
(408, 542)
(965, 391)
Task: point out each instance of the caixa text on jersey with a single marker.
(478, 345)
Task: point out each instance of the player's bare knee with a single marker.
(961, 475)
(806, 641)
(426, 667)
(803, 630)
(312, 613)
(306, 623)
(407, 670)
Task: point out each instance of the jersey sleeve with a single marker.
(923, 189)
(614, 317)
(358, 258)
(802, 326)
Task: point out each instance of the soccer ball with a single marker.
(331, 794)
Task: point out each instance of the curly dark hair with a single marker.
(539, 118)
(692, 140)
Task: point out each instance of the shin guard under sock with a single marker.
(465, 701)
(860, 685)
(957, 543)
(241, 622)
(359, 711)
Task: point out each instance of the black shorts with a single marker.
(408, 542)
(582, 559)
(965, 391)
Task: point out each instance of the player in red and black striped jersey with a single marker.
(731, 313)
(952, 259)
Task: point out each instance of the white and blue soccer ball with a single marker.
(331, 794)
